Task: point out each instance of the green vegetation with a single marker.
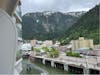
(50, 52)
(87, 26)
(45, 49)
(37, 49)
(73, 54)
(18, 55)
(54, 53)
(90, 48)
(51, 28)
(59, 25)
(32, 48)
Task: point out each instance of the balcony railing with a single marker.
(18, 13)
(18, 66)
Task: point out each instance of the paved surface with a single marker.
(87, 61)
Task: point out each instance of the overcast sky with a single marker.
(57, 5)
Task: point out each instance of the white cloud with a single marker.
(57, 5)
(42, 1)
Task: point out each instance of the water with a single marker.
(40, 69)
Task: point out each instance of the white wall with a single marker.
(7, 43)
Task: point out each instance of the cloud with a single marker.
(57, 5)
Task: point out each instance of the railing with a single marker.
(18, 66)
(17, 14)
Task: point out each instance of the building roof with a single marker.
(26, 46)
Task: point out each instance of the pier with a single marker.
(72, 64)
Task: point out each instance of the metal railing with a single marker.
(18, 66)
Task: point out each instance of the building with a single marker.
(97, 46)
(82, 43)
(33, 43)
(9, 24)
(18, 20)
(48, 43)
(62, 48)
(97, 52)
(57, 44)
(17, 15)
(26, 48)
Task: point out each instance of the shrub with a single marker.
(32, 48)
(90, 48)
(37, 49)
(73, 54)
(45, 49)
(18, 55)
(54, 52)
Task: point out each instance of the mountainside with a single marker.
(46, 25)
(77, 14)
(87, 26)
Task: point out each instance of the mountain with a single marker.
(46, 25)
(87, 26)
(77, 14)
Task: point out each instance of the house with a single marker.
(33, 43)
(48, 43)
(57, 44)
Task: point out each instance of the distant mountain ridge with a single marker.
(47, 25)
(77, 14)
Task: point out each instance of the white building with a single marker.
(26, 48)
(57, 44)
(9, 37)
(33, 43)
(48, 43)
